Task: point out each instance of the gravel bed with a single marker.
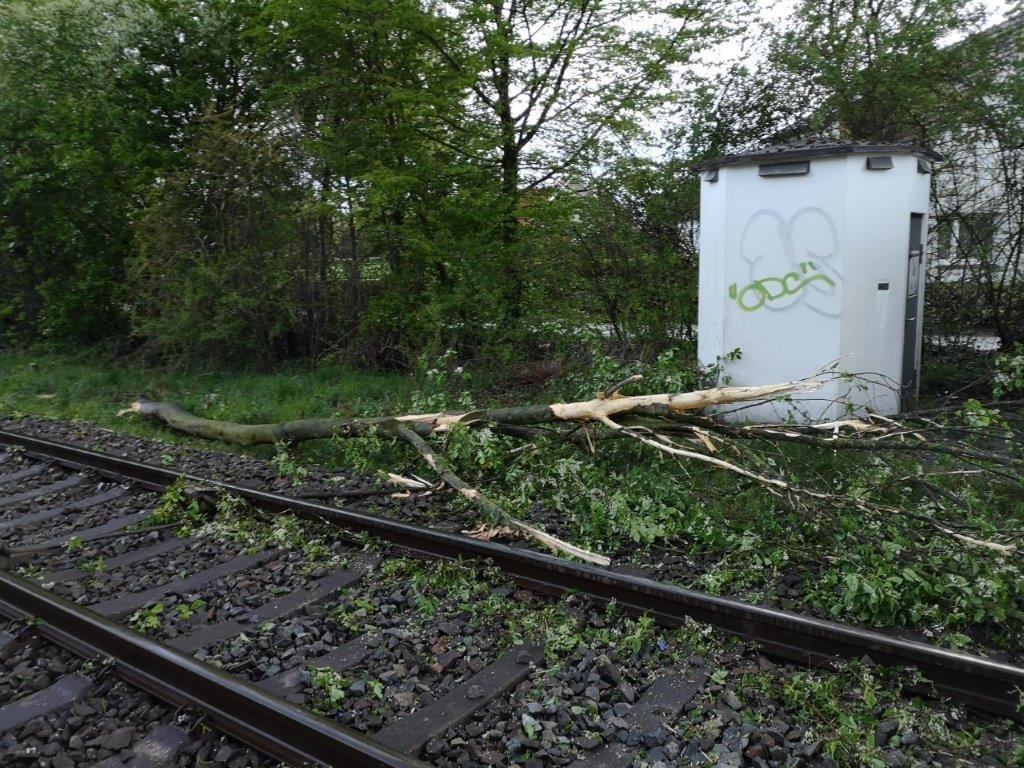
(579, 699)
(409, 666)
(237, 594)
(561, 713)
(668, 564)
(90, 487)
(79, 522)
(91, 551)
(31, 666)
(244, 470)
(363, 608)
(273, 648)
(105, 724)
(571, 707)
(148, 574)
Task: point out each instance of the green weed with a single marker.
(147, 619)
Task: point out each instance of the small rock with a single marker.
(607, 670)
(119, 739)
(885, 731)
(530, 725)
(449, 627)
(587, 742)
(627, 691)
(811, 750)
(671, 749)
(653, 738)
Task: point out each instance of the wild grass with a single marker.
(94, 388)
(623, 501)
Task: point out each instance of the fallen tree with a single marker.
(675, 425)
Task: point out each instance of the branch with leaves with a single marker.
(675, 425)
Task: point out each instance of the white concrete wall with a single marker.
(879, 204)
(710, 310)
(789, 275)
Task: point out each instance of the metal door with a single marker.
(915, 262)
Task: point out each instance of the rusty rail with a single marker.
(973, 680)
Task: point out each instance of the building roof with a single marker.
(803, 149)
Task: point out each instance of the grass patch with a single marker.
(623, 500)
(93, 388)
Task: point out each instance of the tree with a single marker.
(634, 247)
(880, 70)
(979, 194)
(67, 170)
(355, 85)
(554, 85)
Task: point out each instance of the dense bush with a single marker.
(250, 181)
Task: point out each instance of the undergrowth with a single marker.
(625, 500)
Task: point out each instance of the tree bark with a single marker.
(598, 409)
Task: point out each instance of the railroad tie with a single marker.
(286, 684)
(63, 693)
(64, 509)
(46, 490)
(159, 749)
(8, 642)
(121, 606)
(661, 703)
(23, 474)
(90, 534)
(408, 734)
(281, 608)
(169, 544)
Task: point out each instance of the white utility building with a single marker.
(811, 255)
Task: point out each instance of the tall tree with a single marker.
(67, 169)
(355, 83)
(875, 69)
(553, 86)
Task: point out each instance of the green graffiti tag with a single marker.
(765, 289)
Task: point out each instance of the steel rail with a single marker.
(269, 724)
(973, 680)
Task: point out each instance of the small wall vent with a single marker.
(799, 168)
(711, 175)
(879, 163)
(923, 166)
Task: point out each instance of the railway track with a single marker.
(105, 585)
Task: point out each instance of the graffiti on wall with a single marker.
(757, 294)
(789, 263)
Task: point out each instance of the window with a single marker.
(975, 236)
